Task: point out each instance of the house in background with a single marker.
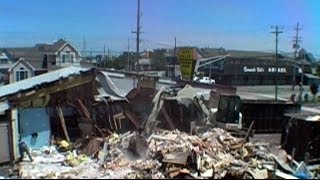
(48, 56)
(39, 59)
(6, 61)
(21, 70)
(145, 64)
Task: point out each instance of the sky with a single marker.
(231, 24)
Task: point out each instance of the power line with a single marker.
(276, 32)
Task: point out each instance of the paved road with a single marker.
(268, 92)
(284, 93)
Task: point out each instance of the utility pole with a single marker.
(296, 46)
(277, 32)
(91, 55)
(138, 31)
(128, 55)
(174, 57)
(84, 47)
(108, 54)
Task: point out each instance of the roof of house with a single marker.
(209, 52)
(243, 54)
(51, 47)
(306, 55)
(38, 80)
(31, 55)
(21, 60)
(34, 55)
(7, 53)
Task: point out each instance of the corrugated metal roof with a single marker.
(108, 87)
(38, 80)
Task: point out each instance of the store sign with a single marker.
(254, 69)
(186, 61)
(263, 69)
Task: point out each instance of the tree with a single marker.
(117, 62)
(318, 71)
(314, 87)
(158, 59)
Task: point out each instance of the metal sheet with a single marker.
(109, 89)
(34, 121)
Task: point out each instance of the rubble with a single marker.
(214, 153)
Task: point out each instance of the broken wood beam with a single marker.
(60, 114)
(84, 109)
(132, 118)
(165, 113)
(119, 117)
(100, 131)
(109, 117)
(248, 132)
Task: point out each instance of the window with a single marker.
(21, 74)
(3, 61)
(63, 58)
(67, 57)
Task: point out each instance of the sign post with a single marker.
(186, 62)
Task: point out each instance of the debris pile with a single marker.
(214, 153)
(169, 154)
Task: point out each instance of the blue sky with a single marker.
(232, 24)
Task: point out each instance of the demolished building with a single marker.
(59, 104)
(89, 113)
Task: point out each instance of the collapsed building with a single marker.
(59, 104)
(93, 111)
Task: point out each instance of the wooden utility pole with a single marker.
(277, 32)
(137, 32)
(84, 47)
(296, 46)
(108, 54)
(173, 73)
(128, 55)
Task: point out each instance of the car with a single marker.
(205, 80)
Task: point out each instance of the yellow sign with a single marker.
(186, 62)
(186, 53)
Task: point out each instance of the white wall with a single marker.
(75, 60)
(17, 68)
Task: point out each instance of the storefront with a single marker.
(252, 71)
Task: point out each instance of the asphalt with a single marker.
(268, 92)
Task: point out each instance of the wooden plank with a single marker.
(165, 113)
(132, 118)
(119, 117)
(59, 110)
(109, 117)
(83, 108)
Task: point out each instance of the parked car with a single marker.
(205, 79)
